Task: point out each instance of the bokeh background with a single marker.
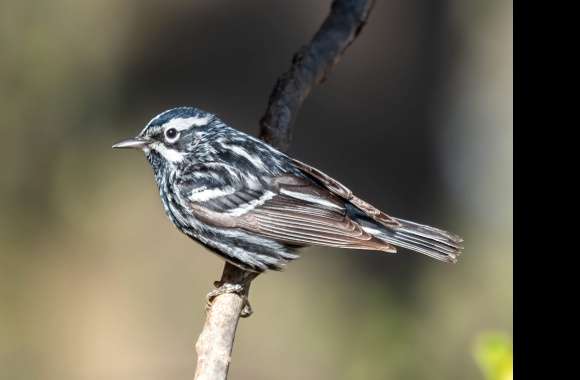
(95, 283)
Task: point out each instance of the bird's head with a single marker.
(171, 137)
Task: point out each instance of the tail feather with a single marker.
(430, 241)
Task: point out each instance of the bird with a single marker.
(255, 206)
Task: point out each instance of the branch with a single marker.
(310, 66)
(216, 341)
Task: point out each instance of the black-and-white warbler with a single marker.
(254, 206)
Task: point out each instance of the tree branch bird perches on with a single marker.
(310, 66)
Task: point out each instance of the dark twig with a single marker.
(310, 66)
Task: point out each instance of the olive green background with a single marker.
(95, 283)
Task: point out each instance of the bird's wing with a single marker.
(345, 193)
(288, 209)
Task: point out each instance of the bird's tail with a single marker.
(430, 241)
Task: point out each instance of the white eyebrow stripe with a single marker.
(152, 120)
(179, 123)
(182, 123)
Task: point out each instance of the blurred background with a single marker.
(95, 283)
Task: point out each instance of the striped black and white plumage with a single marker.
(254, 206)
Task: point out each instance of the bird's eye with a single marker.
(171, 135)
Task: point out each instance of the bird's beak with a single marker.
(134, 143)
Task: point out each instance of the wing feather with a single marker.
(344, 192)
(299, 221)
(292, 210)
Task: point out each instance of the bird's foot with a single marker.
(225, 288)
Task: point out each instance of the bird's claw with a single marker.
(247, 309)
(225, 288)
